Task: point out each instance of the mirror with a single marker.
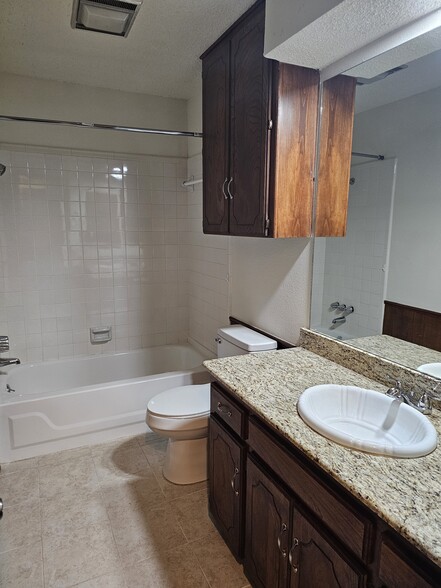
(392, 249)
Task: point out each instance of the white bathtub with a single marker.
(68, 403)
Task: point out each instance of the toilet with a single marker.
(181, 414)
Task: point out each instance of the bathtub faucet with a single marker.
(4, 361)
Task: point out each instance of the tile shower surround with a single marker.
(95, 241)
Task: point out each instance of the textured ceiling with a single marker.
(160, 55)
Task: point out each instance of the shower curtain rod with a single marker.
(83, 125)
(370, 155)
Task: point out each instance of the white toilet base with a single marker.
(186, 461)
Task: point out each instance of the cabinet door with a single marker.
(226, 486)
(397, 571)
(314, 562)
(267, 530)
(249, 128)
(215, 120)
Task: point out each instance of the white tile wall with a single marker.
(96, 241)
(352, 270)
(204, 263)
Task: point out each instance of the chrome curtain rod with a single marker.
(369, 155)
(82, 125)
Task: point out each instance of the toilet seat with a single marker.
(183, 402)
(185, 408)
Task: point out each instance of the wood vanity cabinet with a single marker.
(291, 524)
(259, 127)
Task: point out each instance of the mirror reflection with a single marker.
(379, 288)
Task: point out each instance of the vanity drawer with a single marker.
(231, 413)
(347, 523)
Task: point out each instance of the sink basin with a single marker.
(367, 420)
(432, 369)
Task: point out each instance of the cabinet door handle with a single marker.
(295, 567)
(233, 481)
(223, 189)
(223, 408)
(279, 540)
(228, 188)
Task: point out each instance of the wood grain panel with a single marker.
(350, 526)
(226, 485)
(215, 120)
(293, 145)
(249, 94)
(228, 410)
(416, 325)
(335, 156)
(396, 572)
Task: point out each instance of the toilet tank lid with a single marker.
(246, 338)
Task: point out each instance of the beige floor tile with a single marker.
(22, 568)
(63, 513)
(155, 452)
(107, 581)
(79, 555)
(176, 568)
(18, 466)
(217, 563)
(122, 444)
(144, 532)
(148, 438)
(59, 457)
(20, 526)
(20, 487)
(69, 478)
(192, 513)
(120, 462)
(138, 491)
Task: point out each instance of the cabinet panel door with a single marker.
(314, 562)
(215, 120)
(397, 571)
(226, 486)
(267, 530)
(249, 123)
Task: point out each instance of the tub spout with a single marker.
(4, 361)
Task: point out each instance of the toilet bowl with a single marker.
(181, 414)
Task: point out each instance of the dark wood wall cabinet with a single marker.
(289, 522)
(260, 125)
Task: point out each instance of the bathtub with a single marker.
(64, 404)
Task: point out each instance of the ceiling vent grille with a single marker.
(111, 17)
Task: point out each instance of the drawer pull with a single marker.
(223, 189)
(224, 409)
(233, 481)
(279, 540)
(294, 567)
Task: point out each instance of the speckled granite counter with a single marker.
(396, 350)
(406, 493)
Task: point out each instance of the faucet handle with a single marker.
(395, 390)
(4, 343)
(434, 392)
(334, 305)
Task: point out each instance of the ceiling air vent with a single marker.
(105, 16)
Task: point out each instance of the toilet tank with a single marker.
(239, 340)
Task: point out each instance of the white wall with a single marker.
(351, 270)
(270, 284)
(31, 97)
(411, 130)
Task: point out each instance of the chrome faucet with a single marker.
(4, 346)
(338, 320)
(4, 361)
(423, 404)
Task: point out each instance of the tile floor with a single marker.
(104, 517)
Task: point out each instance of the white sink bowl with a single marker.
(432, 369)
(367, 420)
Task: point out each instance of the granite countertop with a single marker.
(403, 352)
(406, 493)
